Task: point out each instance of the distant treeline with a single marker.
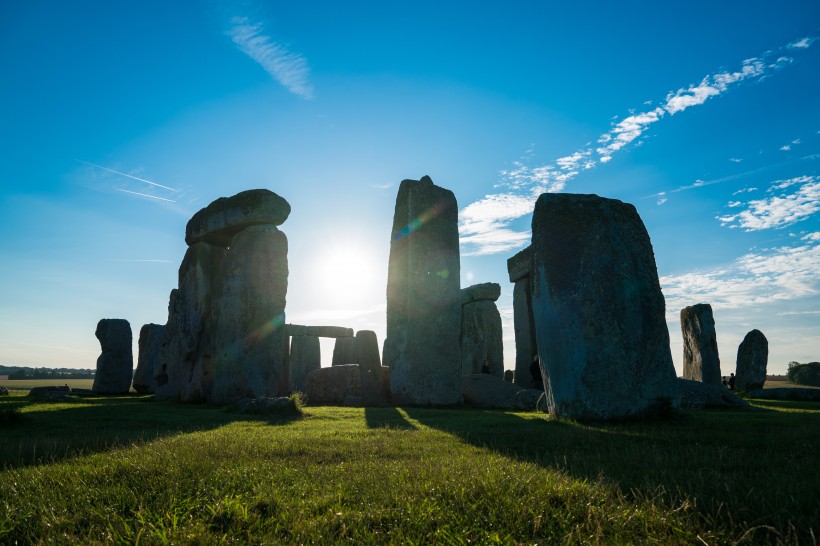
(24, 372)
(804, 374)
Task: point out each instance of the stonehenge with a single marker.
(752, 358)
(700, 351)
(603, 342)
(422, 346)
(150, 346)
(482, 349)
(115, 364)
(527, 372)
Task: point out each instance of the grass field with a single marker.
(133, 470)
(22, 386)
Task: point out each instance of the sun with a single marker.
(348, 274)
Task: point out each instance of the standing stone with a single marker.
(423, 307)
(700, 351)
(184, 370)
(150, 348)
(249, 340)
(345, 351)
(334, 384)
(370, 365)
(481, 343)
(603, 343)
(305, 356)
(115, 365)
(221, 220)
(526, 349)
(752, 358)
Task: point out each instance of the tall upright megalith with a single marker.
(482, 346)
(225, 338)
(752, 359)
(423, 297)
(603, 343)
(115, 365)
(150, 347)
(700, 351)
(305, 356)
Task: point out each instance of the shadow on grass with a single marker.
(52, 431)
(386, 417)
(757, 464)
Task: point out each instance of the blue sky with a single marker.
(119, 120)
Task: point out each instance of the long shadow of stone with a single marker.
(46, 433)
(387, 417)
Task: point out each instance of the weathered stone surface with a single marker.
(217, 223)
(150, 349)
(696, 394)
(367, 346)
(332, 385)
(248, 318)
(51, 393)
(486, 391)
(526, 348)
(345, 351)
(115, 366)
(423, 296)
(305, 357)
(700, 351)
(184, 368)
(487, 291)
(318, 331)
(384, 384)
(508, 376)
(752, 359)
(602, 337)
(481, 343)
(518, 266)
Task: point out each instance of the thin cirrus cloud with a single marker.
(288, 68)
(484, 225)
(777, 211)
(778, 274)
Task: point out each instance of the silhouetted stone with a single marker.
(345, 351)
(217, 223)
(508, 376)
(367, 346)
(318, 331)
(332, 385)
(150, 349)
(696, 395)
(423, 296)
(488, 291)
(486, 391)
(700, 351)
(481, 344)
(305, 357)
(752, 359)
(602, 337)
(248, 325)
(518, 268)
(184, 370)
(115, 365)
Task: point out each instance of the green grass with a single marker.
(132, 470)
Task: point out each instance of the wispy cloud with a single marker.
(780, 210)
(777, 274)
(145, 195)
(288, 68)
(735, 159)
(484, 228)
(127, 175)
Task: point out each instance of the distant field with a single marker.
(26, 384)
(785, 385)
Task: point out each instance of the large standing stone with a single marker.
(222, 219)
(333, 384)
(345, 351)
(423, 307)
(367, 346)
(700, 351)
(602, 337)
(752, 358)
(482, 349)
(526, 349)
(184, 371)
(487, 291)
(305, 356)
(249, 338)
(150, 348)
(115, 365)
